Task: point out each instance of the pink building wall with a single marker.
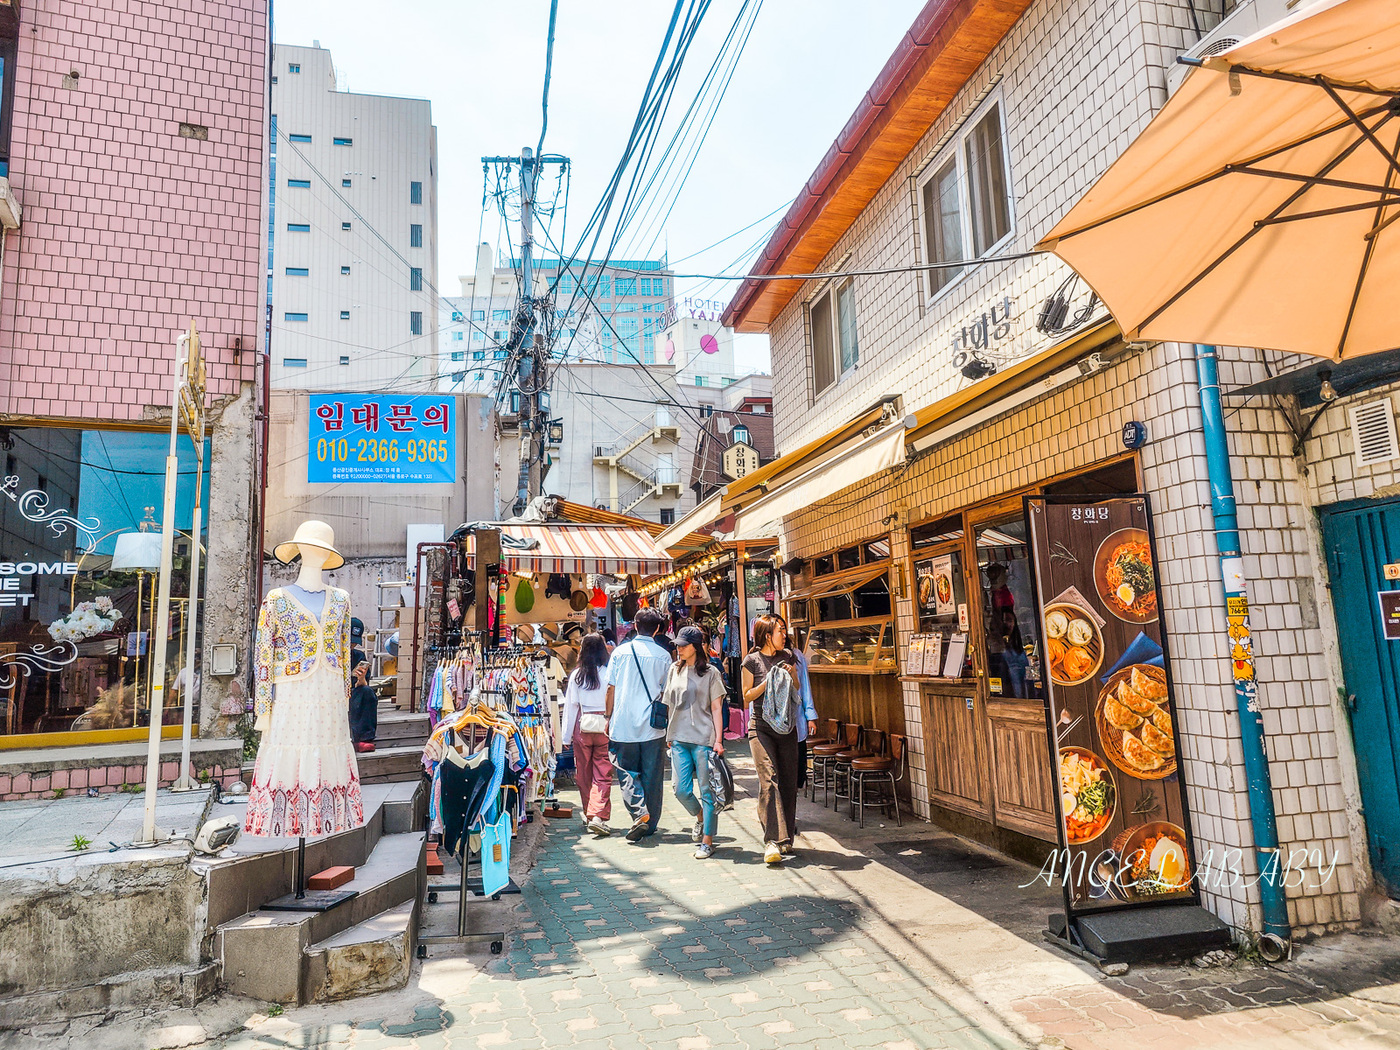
(129, 231)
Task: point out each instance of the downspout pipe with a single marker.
(1256, 760)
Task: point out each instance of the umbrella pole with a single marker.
(1227, 538)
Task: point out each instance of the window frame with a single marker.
(954, 151)
(415, 322)
(829, 298)
(415, 193)
(415, 235)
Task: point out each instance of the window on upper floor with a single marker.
(298, 271)
(668, 515)
(345, 270)
(346, 184)
(299, 184)
(415, 322)
(341, 140)
(293, 67)
(500, 315)
(294, 317)
(345, 315)
(415, 236)
(966, 198)
(478, 315)
(478, 355)
(344, 359)
(344, 225)
(415, 278)
(459, 355)
(300, 138)
(834, 346)
(625, 285)
(293, 362)
(456, 337)
(415, 193)
(298, 227)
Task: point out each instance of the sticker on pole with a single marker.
(376, 438)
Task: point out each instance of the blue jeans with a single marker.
(691, 763)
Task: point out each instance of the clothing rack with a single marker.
(463, 888)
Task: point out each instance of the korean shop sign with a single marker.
(404, 439)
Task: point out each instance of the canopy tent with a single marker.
(610, 550)
(1256, 208)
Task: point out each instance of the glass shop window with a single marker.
(79, 571)
(1010, 628)
(849, 558)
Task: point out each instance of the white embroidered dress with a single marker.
(306, 780)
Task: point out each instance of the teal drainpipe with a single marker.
(1227, 540)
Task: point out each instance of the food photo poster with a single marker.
(1121, 805)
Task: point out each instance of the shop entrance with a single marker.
(1362, 543)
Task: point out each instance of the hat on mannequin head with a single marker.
(310, 534)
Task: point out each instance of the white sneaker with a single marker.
(704, 851)
(771, 853)
(598, 828)
(697, 833)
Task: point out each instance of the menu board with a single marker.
(1124, 825)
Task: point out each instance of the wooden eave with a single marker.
(947, 43)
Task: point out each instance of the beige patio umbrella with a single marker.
(1258, 207)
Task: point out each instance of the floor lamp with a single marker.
(139, 551)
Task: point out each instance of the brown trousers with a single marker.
(776, 759)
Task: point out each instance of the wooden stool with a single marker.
(862, 743)
(828, 732)
(875, 772)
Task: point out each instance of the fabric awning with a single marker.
(612, 550)
(881, 451)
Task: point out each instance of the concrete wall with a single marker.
(392, 144)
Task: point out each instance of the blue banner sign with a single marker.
(405, 439)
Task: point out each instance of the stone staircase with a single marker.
(398, 747)
(363, 945)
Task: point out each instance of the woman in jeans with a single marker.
(775, 753)
(585, 697)
(695, 696)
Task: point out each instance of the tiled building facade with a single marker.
(1075, 81)
(137, 144)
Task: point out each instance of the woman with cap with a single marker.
(585, 700)
(695, 694)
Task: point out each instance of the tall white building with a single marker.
(352, 257)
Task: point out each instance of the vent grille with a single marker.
(1373, 433)
(1219, 47)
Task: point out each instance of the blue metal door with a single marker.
(1360, 543)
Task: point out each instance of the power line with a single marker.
(916, 268)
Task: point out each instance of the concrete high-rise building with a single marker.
(352, 254)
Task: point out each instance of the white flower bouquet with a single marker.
(87, 620)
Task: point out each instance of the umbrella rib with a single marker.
(1249, 234)
(1312, 180)
(1227, 170)
(1370, 135)
(1370, 238)
(1326, 83)
(1387, 197)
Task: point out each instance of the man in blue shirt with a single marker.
(637, 672)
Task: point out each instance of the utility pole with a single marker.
(530, 348)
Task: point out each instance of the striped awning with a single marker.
(613, 550)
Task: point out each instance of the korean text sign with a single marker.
(406, 439)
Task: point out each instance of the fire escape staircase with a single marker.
(655, 482)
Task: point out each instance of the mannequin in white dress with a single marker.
(306, 781)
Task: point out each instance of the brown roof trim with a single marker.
(946, 44)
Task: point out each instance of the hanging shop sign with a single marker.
(1125, 832)
(739, 459)
(405, 439)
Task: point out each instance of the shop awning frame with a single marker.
(609, 550)
(837, 583)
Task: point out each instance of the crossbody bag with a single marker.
(660, 713)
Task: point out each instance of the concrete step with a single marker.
(371, 956)
(400, 728)
(264, 954)
(395, 764)
(257, 870)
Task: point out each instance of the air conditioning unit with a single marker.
(1248, 18)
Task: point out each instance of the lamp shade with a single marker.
(137, 550)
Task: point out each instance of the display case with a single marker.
(851, 647)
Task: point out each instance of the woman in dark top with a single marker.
(774, 753)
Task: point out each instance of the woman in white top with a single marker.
(585, 698)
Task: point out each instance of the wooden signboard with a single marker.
(1124, 828)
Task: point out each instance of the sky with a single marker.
(806, 65)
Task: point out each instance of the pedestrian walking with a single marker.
(777, 706)
(695, 697)
(586, 725)
(637, 673)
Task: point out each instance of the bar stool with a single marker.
(863, 744)
(874, 772)
(823, 755)
(828, 732)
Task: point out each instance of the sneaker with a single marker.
(364, 747)
(697, 833)
(787, 849)
(704, 851)
(771, 853)
(598, 828)
(639, 828)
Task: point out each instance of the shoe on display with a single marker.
(704, 851)
(639, 829)
(697, 832)
(771, 853)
